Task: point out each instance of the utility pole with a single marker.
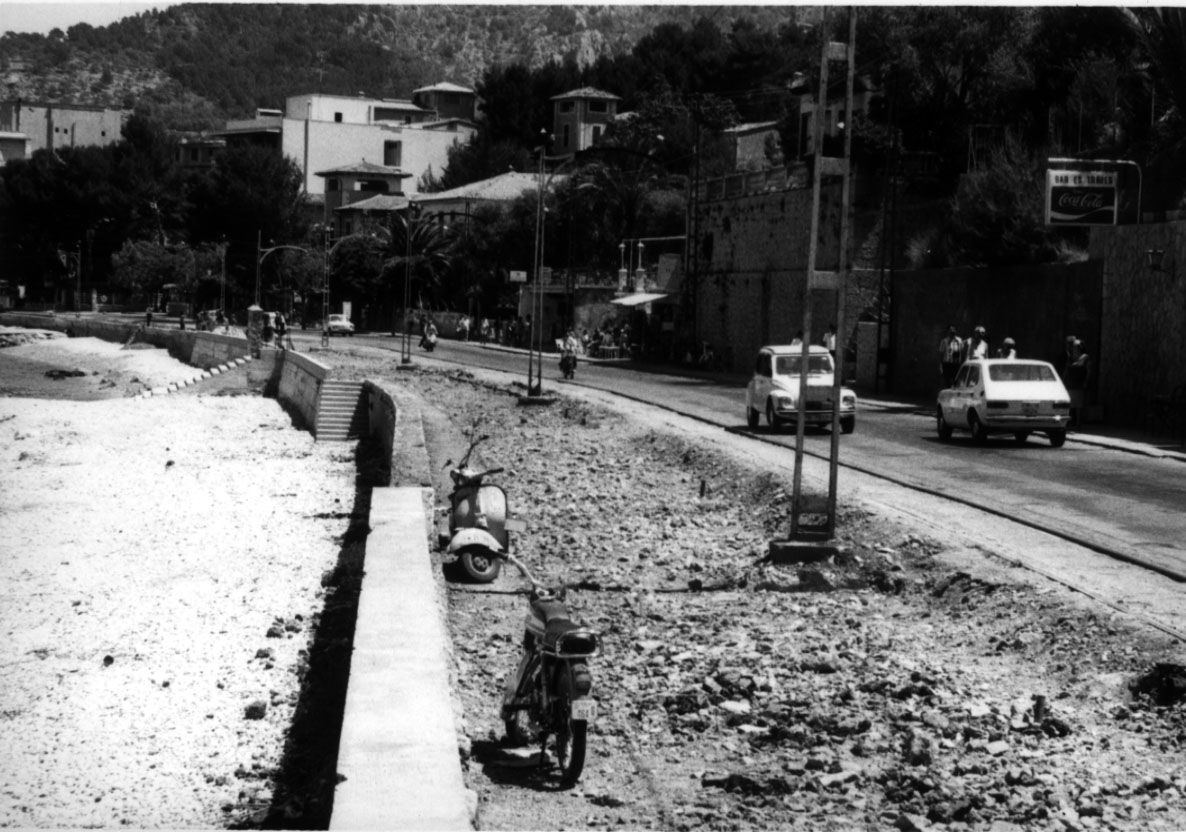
(825, 280)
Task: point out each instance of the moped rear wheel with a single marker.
(570, 737)
(480, 564)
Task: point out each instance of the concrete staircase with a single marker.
(341, 411)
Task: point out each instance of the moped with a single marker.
(550, 693)
(568, 363)
(479, 526)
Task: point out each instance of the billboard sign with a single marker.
(518, 277)
(1084, 196)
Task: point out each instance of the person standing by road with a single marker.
(830, 340)
(1008, 349)
(1077, 376)
(148, 316)
(951, 348)
(977, 346)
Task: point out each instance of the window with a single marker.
(598, 106)
(338, 117)
(762, 368)
(567, 106)
(596, 133)
(373, 186)
(332, 184)
(1020, 372)
(393, 154)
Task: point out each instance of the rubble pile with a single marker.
(877, 689)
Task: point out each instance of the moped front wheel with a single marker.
(480, 564)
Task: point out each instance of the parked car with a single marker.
(339, 325)
(1005, 395)
(774, 389)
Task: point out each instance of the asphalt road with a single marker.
(1124, 504)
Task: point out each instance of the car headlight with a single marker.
(784, 401)
(848, 402)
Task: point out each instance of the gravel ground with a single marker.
(881, 690)
(161, 580)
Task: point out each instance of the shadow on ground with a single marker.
(304, 784)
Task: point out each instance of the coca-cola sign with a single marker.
(1081, 197)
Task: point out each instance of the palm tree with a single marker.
(419, 250)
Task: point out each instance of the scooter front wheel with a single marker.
(480, 564)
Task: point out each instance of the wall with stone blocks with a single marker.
(1144, 323)
(752, 262)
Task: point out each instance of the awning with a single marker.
(637, 299)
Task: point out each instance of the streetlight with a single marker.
(622, 266)
(325, 290)
(406, 348)
(640, 275)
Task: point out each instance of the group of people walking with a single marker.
(954, 351)
(1075, 368)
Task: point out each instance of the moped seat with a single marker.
(558, 624)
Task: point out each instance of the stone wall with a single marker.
(1144, 323)
(381, 417)
(752, 267)
(1037, 306)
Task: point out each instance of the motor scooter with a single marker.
(429, 341)
(550, 693)
(479, 525)
(568, 363)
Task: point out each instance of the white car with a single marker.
(339, 325)
(1005, 395)
(774, 389)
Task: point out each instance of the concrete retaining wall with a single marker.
(382, 414)
(198, 349)
(299, 383)
(397, 757)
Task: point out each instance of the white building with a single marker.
(320, 132)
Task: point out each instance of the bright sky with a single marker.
(43, 16)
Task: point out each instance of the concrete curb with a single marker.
(179, 385)
(398, 759)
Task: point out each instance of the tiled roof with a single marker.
(379, 202)
(502, 188)
(364, 167)
(588, 92)
(753, 125)
(444, 86)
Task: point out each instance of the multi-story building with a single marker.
(580, 117)
(49, 125)
(447, 100)
(320, 132)
(358, 183)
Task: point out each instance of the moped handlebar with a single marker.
(509, 558)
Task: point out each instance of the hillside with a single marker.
(197, 64)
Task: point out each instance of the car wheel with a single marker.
(945, 430)
(979, 434)
(848, 424)
(1058, 438)
(752, 417)
(1020, 436)
(771, 419)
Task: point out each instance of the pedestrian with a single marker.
(181, 319)
(797, 341)
(220, 320)
(951, 350)
(1008, 349)
(830, 340)
(977, 346)
(463, 328)
(1068, 356)
(269, 329)
(1077, 377)
(281, 329)
(148, 316)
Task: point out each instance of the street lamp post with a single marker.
(406, 348)
(640, 275)
(325, 292)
